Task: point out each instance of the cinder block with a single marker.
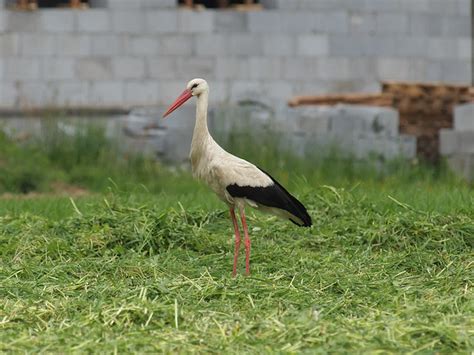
(195, 21)
(57, 68)
(128, 21)
(407, 146)
(409, 46)
(245, 44)
(230, 21)
(53, 20)
(464, 117)
(312, 45)
(448, 142)
(245, 90)
(94, 69)
(279, 45)
(37, 44)
(334, 22)
(393, 68)
(441, 48)
(70, 93)
(299, 68)
(141, 45)
(161, 21)
(362, 22)
(128, 68)
(311, 120)
(162, 67)
(464, 48)
(141, 92)
(231, 68)
(456, 71)
(265, 68)
(188, 68)
(456, 26)
(410, 6)
(352, 45)
(392, 23)
(8, 94)
(3, 20)
(299, 22)
(464, 6)
(9, 44)
(73, 45)
(22, 68)
(176, 45)
(158, 4)
(107, 93)
(110, 44)
(334, 68)
(422, 24)
(381, 5)
(265, 21)
(34, 94)
(22, 21)
(210, 44)
(93, 20)
(463, 165)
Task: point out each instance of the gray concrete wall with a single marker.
(142, 52)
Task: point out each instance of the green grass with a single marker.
(143, 263)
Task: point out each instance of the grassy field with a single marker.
(142, 261)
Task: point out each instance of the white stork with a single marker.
(234, 180)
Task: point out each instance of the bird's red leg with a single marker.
(237, 241)
(246, 242)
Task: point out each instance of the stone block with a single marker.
(392, 23)
(195, 21)
(245, 44)
(73, 45)
(264, 68)
(142, 92)
(107, 93)
(93, 20)
(230, 21)
(141, 45)
(280, 45)
(312, 45)
(53, 20)
(176, 45)
(162, 67)
(422, 24)
(210, 45)
(94, 69)
(128, 68)
(9, 44)
(128, 21)
(464, 117)
(22, 68)
(107, 44)
(57, 68)
(70, 93)
(161, 21)
(37, 44)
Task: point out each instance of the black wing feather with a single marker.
(274, 195)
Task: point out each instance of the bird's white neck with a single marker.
(201, 133)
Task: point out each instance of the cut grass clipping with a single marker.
(124, 277)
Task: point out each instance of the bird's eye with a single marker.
(194, 86)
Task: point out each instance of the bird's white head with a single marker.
(193, 88)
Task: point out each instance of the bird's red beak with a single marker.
(185, 96)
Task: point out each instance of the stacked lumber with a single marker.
(424, 108)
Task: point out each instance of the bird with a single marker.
(237, 182)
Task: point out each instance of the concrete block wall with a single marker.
(142, 52)
(457, 144)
